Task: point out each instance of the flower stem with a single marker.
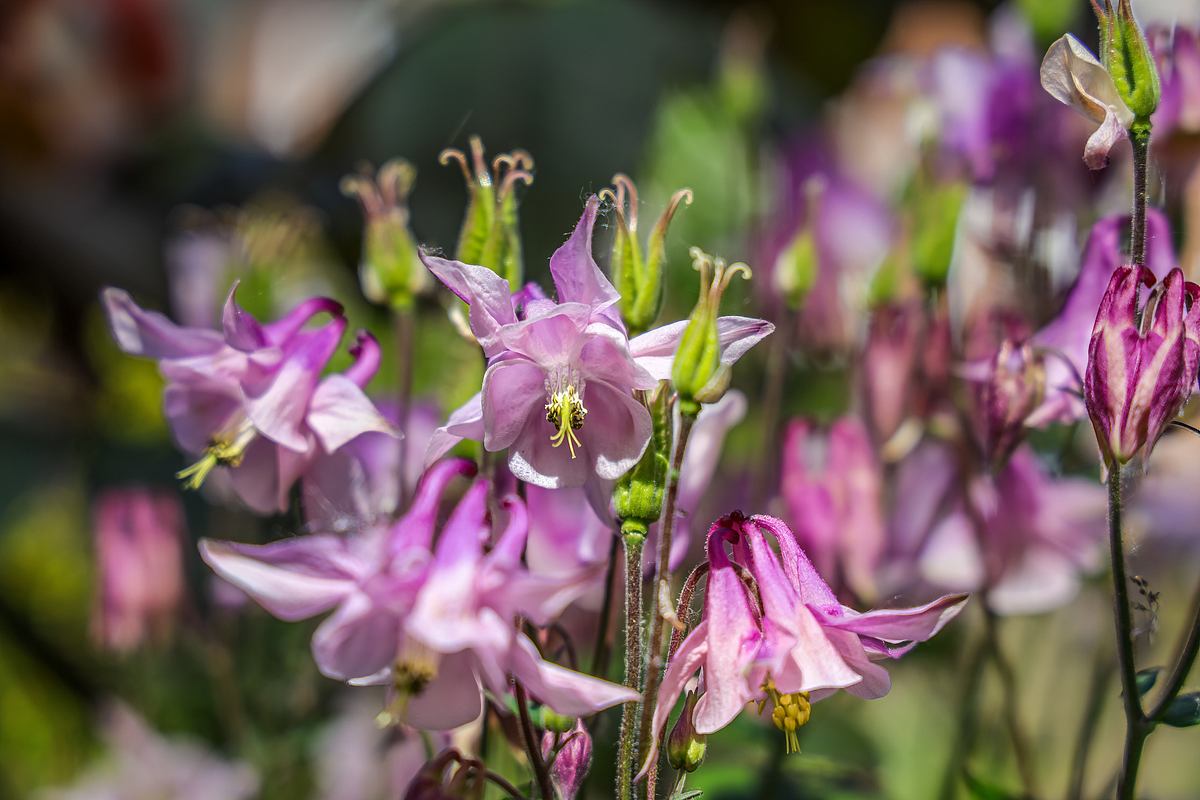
(968, 717)
(1102, 671)
(600, 651)
(404, 326)
(1139, 136)
(662, 577)
(627, 745)
(1008, 683)
(531, 743)
(1136, 726)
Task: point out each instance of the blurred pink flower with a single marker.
(1177, 52)
(356, 759)
(139, 563)
(251, 397)
(1025, 540)
(789, 643)
(431, 622)
(142, 765)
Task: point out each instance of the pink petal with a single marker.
(488, 295)
(897, 624)
(564, 690)
(576, 276)
(358, 640)
(616, 431)
(152, 335)
(451, 699)
(687, 660)
(514, 393)
(340, 412)
(465, 423)
(1111, 131)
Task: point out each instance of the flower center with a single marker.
(224, 450)
(413, 671)
(565, 411)
(790, 712)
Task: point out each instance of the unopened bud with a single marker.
(698, 373)
(638, 495)
(570, 765)
(1125, 53)
(685, 747)
(1013, 389)
(390, 271)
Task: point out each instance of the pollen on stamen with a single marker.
(790, 713)
(566, 413)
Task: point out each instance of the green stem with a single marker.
(1102, 671)
(1183, 662)
(662, 578)
(1139, 136)
(1008, 683)
(968, 717)
(531, 743)
(627, 744)
(1136, 727)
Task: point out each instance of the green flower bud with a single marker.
(934, 226)
(685, 747)
(555, 722)
(638, 495)
(698, 374)
(797, 265)
(390, 271)
(639, 280)
(1126, 55)
(489, 235)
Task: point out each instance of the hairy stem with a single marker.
(627, 749)
(1139, 136)
(1136, 728)
(531, 743)
(662, 578)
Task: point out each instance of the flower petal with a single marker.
(488, 295)
(152, 335)
(576, 276)
(340, 412)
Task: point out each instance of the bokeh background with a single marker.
(135, 135)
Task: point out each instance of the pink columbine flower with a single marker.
(833, 489)
(558, 390)
(796, 646)
(1141, 366)
(139, 560)
(251, 397)
(433, 622)
(1026, 539)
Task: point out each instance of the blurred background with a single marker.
(167, 146)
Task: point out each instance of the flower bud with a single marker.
(1126, 55)
(571, 764)
(639, 279)
(685, 747)
(489, 235)
(638, 495)
(390, 271)
(1142, 363)
(1013, 388)
(797, 264)
(699, 372)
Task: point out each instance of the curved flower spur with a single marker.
(772, 631)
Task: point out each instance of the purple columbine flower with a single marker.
(558, 390)
(432, 622)
(1026, 539)
(251, 397)
(139, 561)
(1065, 339)
(1142, 360)
(789, 643)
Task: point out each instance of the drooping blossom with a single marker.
(141, 764)
(433, 621)
(558, 390)
(1065, 339)
(250, 397)
(1142, 360)
(1026, 539)
(833, 490)
(790, 642)
(1075, 77)
(139, 564)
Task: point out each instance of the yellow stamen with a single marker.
(565, 412)
(412, 672)
(790, 712)
(223, 451)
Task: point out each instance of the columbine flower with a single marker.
(1025, 540)
(251, 398)
(833, 488)
(1073, 76)
(1142, 360)
(790, 643)
(425, 621)
(139, 561)
(1064, 340)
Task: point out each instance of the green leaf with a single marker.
(1183, 712)
(1146, 679)
(981, 790)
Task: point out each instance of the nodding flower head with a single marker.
(699, 374)
(489, 235)
(637, 275)
(390, 271)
